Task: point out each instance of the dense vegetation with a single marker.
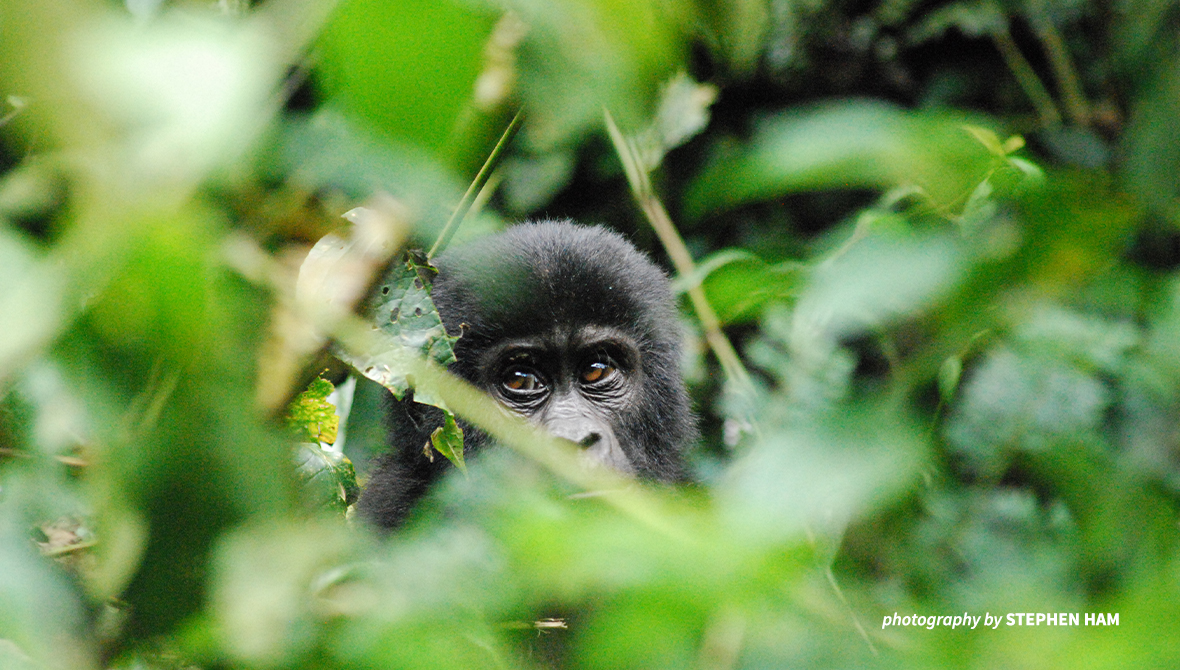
(940, 236)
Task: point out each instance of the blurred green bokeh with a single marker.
(942, 236)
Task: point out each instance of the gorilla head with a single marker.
(567, 325)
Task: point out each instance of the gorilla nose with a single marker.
(590, 440)
(581, 433)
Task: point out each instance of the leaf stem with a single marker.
(1067, 75)
(1027, 78)
(654, 210)
(464, 205)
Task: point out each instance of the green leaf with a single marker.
(683, 112)
(739, 284)
(447, 440)
(987, 138)
(948, 377)
(531, 181)
(311, 416)
(329, 150)
(738, 30)
(1013, 144)
(41, 614)
(974, 18)
(1150, 143)
(181, 450)
(812, 472)
(272, 583)
(858, 144)
(367, 429)
(1024, 402)
(401, 307)
(327, 475)
(879, 278)
(387, 63)
(31, 307)
(582, 55)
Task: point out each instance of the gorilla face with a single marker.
(569, 326)
(575, 383)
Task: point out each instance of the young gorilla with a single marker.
(567, 325)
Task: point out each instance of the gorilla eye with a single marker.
(597, 371)
(522, 379)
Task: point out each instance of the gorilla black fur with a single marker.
(539, 304)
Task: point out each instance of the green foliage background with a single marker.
(942, 236)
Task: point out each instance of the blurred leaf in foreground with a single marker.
(273, 585)
(860, 144)
(42, 622)
(814, 474)
(582, 55)
(383, 63)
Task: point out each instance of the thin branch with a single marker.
(476, 186)
(1027, 78)
(1076, 103)
(650, 203)
(864, 634)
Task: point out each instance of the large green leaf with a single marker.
(739, 284)
(582, 55)
(848, 145)
(407, 68)
(401, 306)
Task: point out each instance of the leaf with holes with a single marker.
(401, 307)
